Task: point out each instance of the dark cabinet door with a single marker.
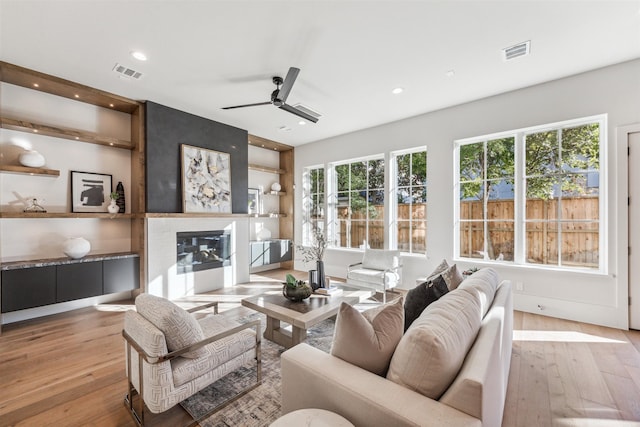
(280, 251)
(76, 281)
(28, 287)
(120, 275)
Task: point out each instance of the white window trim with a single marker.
(519, 208)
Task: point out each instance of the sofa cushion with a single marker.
(439, 269)
(420, 297)
(368, 339)
(483, 283)
(452, 276)
(380, 259)
(179, 327)
(431, 352)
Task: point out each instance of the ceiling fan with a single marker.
(280, 95)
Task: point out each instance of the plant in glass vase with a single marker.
(315, 252)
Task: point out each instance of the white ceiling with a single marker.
(204, 55)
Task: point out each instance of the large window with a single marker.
(411, 201)
(314, 202)
(533, 196)
(358, 218)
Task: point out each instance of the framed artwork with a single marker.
(90, 191)
(206, 180)
(253, 207)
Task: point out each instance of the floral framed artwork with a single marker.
(90, 191)
(206, 180)
(253, 203)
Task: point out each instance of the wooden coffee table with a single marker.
(300, 315)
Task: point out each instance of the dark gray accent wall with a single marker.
(166, 130)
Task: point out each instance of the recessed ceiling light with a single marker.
(76, 95)
(397, 90)
(139, 55)
(36, 85)
(302, 123)
(450, 73)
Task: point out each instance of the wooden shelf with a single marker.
(49, 215)
(29, 171)
(62, 132)
(194, 215)
(270, 215)
(266, 169)
(275, 193)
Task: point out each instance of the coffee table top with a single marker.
(305, 313)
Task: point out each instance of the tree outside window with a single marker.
(411, 197)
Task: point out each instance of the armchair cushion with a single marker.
(380, 259)
(368, 339)
(180, 328)
(374, 276)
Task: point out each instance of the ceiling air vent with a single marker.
(127, 73)
(520, 49)
(307, 110)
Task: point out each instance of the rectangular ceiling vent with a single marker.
(515, 51)
(308, 110)
(127, 73)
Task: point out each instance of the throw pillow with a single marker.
(439, 269)
(452, 277)
(431, 353)
(368, 339)
(179, 327)
(420, 297)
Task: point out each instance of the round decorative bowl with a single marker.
(296, 294)
(31, 159)
(76, 247)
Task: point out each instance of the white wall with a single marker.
(592, 298)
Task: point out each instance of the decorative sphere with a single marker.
(31, 159)
(276, 186)
(76, 247)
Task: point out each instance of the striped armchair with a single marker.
(172, 354)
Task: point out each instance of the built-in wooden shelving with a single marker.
(29, 171)
(275, 193)
(49, 215)
(63, 132)
(261, 168)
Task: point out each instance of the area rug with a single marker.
(260, 406)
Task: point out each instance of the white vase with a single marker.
(113, 207)
(76, 247)
(31, 158)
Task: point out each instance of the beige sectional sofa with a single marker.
(477, 316)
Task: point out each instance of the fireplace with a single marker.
(202, 250)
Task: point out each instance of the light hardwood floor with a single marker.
(68, 369)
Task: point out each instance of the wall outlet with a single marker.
(519, 286)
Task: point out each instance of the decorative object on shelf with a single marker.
(89, 191)
(294, 289)
(206, 180)
(113, 207)
(276, 187)
(469, 272)
(31, 159)
(315, 252)
(76, 247)
(263, 234)
(120, 200)
(35, 207)
(253, 203)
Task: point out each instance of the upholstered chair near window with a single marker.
(379, 270)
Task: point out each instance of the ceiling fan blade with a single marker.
(298, 113)
(247, 105)
(292, 75)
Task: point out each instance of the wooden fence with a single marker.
(579, 245)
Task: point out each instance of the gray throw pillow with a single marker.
(420, 297)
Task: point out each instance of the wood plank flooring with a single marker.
(68, 369)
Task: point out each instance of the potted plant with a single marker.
(315, 252)
(113, 207)
(294, 289)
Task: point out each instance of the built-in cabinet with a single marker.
(53, 280)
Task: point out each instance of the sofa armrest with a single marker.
(314, 379)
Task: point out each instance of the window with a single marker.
(411, 201)
(313, 202)
(533, 196)
(358, 217)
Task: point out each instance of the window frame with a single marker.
(308, 222)
(519, 180)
